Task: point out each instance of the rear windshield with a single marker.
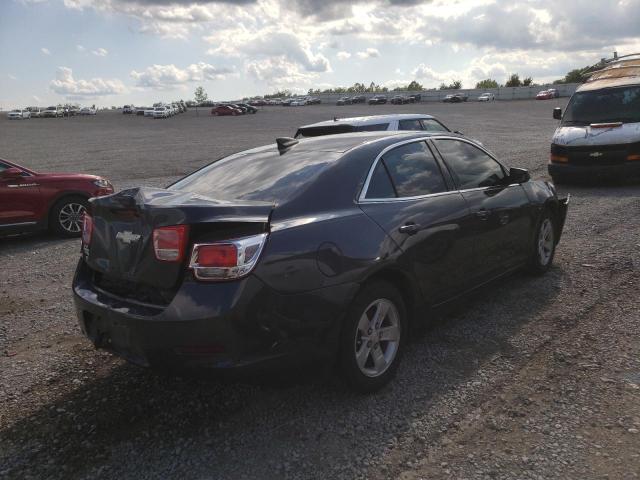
(340, 128)
(621, 104)
(263, 175)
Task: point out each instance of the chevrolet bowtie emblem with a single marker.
(127, 237)
(596, 154)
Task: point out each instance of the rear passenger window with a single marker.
(413, 170)
(409, 125)
(431, 125)
(470, 166)
(380, 185)
(373, 128)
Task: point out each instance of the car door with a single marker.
(19, 198)
(502, 217)
(408, 195)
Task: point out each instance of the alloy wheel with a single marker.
(377, 337)
(545, 241)
(71, 217)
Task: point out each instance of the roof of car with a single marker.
(368, 120)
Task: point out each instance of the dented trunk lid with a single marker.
(121, 248)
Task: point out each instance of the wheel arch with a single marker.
(60, 196)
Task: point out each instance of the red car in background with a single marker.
(225, 110)
(545, 95)
(36, 201)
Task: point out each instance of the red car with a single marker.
(545, 95)
(225, 110)
(37, 201)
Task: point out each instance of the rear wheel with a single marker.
(66, 216)
(544, 247)
(373, 337)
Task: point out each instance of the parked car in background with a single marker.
(554, 92)
(87, 111)
(599, 134)
(286, 102)
(486, 97)
(18, 114)
(399, 100)
(52, 112)
(456, 98)
(344, 101)
(36, 112)
(149, 112)
(248, 108)
(140, 110)
(222, 110)
(161, 112)
(316, 264)
(128, 109)
(415, 98)
(258, 102)
(378, 100)
(298, 102)
(359, 99)
(402, 121)
(35, 201)
(544, 95)
(313, 101)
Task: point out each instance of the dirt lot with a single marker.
(533, 378)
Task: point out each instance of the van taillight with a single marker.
(87, 229)
(169, 243)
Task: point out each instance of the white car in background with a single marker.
(35, 111)
(373, 123)
(149, 112)
(161, 112)
(18, 114)
(298, 102)
(87, 111)
(486, 97)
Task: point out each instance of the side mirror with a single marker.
(518, 175)
(11, 173)
(557, 113)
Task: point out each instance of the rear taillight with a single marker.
(558, 158)
(228, 259)
(169, 243)
(87, 229)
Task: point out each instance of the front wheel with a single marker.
(67, 215)
(373, 337)
(544, 247)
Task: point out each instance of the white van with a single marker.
(599, 133)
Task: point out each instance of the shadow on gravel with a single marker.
(16, 244)
(132, 423)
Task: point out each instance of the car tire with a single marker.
(367, 362)
(544, 245)
(65, 217)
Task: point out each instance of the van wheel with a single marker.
(373, 337)
(67, 215)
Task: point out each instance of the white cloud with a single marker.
(278, 73)
(65, 84)
(343, 55)
(80, 48)
(168, 76)
(100, 52)
(11, 77)
(369, 53)
(45, 51)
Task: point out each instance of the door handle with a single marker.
(483, 214)
(409, 228)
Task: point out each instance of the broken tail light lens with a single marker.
(87, 229)
(169, 243)
(228, 259)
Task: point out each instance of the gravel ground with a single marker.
(532, 378)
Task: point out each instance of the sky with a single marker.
(114, 52)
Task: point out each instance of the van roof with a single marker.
(617, 73)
